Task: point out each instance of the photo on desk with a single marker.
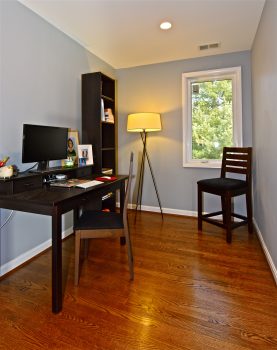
(85, 154)
(72, 147)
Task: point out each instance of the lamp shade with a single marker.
(139, 122)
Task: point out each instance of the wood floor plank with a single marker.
(192, 291)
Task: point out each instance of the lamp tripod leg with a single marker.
(151, 170)
(142, 172)
(141, 177)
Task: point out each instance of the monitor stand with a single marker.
(42, 167)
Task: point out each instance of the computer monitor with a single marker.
(41, 143)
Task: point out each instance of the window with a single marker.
(212, 115)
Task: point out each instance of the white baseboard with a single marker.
(171, 211)
(266, 252)
(12, 264)
(165, 210)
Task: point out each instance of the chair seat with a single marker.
(223, 184)
(97, 220)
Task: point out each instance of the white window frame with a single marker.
(233, 73)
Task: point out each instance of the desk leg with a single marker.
(122, 197)
(56, 261)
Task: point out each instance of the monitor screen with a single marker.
(41, 143)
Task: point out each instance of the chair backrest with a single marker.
(128, 187)
(237, 160)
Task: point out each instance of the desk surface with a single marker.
(44, 198)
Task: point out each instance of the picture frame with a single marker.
(85, 154)
(72, 147)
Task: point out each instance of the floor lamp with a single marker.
(144, 123)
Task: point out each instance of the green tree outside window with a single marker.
(212, 121)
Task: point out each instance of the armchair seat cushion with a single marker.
(223, 184)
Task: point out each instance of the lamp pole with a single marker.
(143, 135)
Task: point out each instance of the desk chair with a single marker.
(99, 224)
(235, 160)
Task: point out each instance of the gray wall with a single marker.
(158, 88)
(40, 83)
(264, 73)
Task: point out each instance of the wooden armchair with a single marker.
(235, 160)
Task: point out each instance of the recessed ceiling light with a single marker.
(165, 25)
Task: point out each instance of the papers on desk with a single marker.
(81, 183)
(89, 184)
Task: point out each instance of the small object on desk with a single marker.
(49, 178)
(68, 163)
(4, 161)
(15, 170)
(62, 183)
(88, 184)
(6, 171)
(61, 177)
(82, 161)
(106, 178)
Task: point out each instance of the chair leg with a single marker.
(249, 211)
(228, 218)
(122, 240)
(223, 208)
(200, 209)
(129, 252)
(77, 257)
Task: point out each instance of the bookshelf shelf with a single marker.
(99, 121)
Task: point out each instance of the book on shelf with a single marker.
(102, 110)
(109, 117)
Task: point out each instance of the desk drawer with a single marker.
(27, 184)
(6, 187)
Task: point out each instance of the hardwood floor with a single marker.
(191, 291)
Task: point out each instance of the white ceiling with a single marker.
(126, 33)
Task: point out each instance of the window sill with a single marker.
(206, 165)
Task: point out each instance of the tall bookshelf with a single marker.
(98, 96)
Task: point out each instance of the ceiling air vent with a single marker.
(208, 46)
(203, 47)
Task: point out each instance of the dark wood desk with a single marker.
(55, 201)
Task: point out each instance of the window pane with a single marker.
(212, 118)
